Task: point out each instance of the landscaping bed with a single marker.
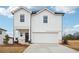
(12, 48)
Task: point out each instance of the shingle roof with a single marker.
(59, 13)
(3, 29)
(34, 12)
(20, 7)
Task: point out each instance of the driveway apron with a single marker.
(48, 48)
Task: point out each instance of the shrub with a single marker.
(6, 39)
(68, 37)
(64, 40)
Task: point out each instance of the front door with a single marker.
(26, 37)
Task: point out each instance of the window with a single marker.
(0, 32)
(45, 19)
(22, 18)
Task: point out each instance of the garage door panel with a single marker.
(44, 38)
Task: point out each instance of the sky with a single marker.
(70, 18)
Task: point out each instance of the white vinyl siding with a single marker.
(45, 26)
(54, 22)
(22, 25)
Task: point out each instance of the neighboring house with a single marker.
(2, 35)
(44, 26)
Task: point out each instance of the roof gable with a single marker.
(14, 11)
(48, 11)
(34, 12)
(44, 10)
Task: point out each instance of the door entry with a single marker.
(26, 37)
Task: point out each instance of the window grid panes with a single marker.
(45, 19)
(22, 18)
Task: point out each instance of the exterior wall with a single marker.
(40, 32)
(22, 39)
(53, 25)
(22, 25)
(44, 32)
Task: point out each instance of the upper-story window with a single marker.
(45, 19)
(22, 18)
(0, 32)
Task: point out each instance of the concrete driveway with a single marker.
(48, 48)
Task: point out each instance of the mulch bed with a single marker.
(13, 48)
(13, 45)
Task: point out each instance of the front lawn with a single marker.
(74, 44)
(14, 48)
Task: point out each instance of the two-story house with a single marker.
(43, 26)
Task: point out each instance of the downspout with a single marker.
(13, 30)
(30, 27)
(62, 25)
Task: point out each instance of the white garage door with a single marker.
(45, 38)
